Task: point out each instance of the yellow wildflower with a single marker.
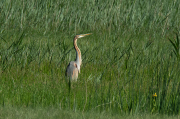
(155, 95)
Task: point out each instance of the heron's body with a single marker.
(73, 69)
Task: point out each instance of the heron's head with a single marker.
(82, 35)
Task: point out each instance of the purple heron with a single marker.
(73, 69)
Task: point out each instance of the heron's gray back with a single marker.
(72, 71)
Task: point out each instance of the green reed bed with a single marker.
(130, 62)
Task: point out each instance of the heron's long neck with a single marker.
(78, 53)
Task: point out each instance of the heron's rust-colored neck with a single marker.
(78, 52)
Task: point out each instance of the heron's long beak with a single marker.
(82, 35)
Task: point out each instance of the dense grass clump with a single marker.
(130, 62)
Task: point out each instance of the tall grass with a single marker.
(125, 62)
